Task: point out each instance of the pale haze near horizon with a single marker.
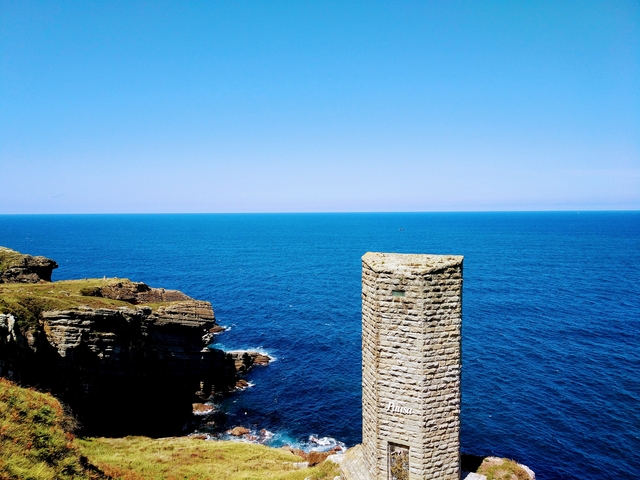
(133, 107)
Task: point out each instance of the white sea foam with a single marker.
(324, 444)
(249, 385)
(260, 350)
(226, 329)
(265, 434)
(267, 353)
(279, 439)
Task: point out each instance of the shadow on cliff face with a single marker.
(151, 397)
(122, 371)
(470, 463)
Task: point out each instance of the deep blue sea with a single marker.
(551, 316)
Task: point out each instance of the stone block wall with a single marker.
(411, 360)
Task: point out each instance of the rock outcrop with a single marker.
(244, 360)
(136, 293)
(18, 268)
(127, 358)
(238, 431)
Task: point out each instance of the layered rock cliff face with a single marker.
(18, 268)
(127, 358)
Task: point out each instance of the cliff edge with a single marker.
(18, 268)
(127, 358)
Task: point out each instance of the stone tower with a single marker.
(411, 351)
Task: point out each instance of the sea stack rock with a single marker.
(244, 360)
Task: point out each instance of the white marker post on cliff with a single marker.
(411, 360)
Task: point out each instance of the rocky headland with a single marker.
(18, 268)
(127, 358)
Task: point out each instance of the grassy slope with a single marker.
(64, 294)
(35, 443)
(136, 458)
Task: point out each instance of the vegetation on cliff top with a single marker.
(26, 301)
(9, 258)
(36, 443)
(28, 297)
(502, 469)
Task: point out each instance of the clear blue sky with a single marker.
(318, 106)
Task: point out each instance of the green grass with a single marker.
(503, 469)
(137, 458)
(26, 301)
(35, 438)
(36, 443)
(9, 258)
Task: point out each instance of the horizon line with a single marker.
(330, 212)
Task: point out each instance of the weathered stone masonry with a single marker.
(411, 350)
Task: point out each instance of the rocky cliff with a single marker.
(127, 358)
(18, 268)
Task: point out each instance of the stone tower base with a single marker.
(353, 467)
